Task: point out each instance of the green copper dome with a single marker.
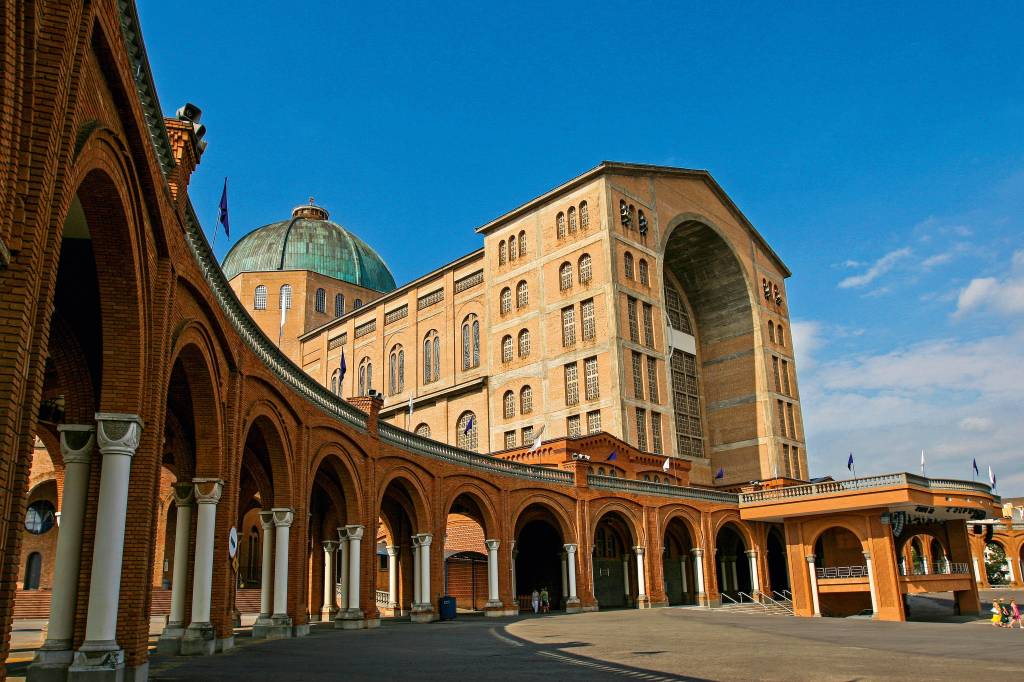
(309, 241)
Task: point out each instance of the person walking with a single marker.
(545, 603)
(535, 600)
(1015, 614)
(997, 613)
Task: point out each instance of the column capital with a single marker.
(354, 532)
(422, 539)
(392, 550)
(118, 433)
(569, 548)
(492, 544)
(208, 490)
(267, 519)
(76, 442)
(752, 553)
(283, 516)
(330, 545)
(639, 550)
(810, 558)
(184, 494)
(342, 534)
(867, 555)
(697, 551)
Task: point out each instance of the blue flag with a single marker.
(343, 367)
(611, 457)
(223, 218)
(974, 465)
(469, 425)
(720, 474)
(849, 462)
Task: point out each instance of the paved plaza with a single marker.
(664, 644)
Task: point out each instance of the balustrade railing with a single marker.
(842, 572)
(383, 598)
(935, 568)
(866, 483)
(631, 485)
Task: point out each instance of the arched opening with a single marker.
(732, 568)
(677, 560)
(465, 554)
(839, 555)
(997, 567)
(778, 569)
(33, 570)
(538, 561)
(331, 508)
(615, 579)
(398, 521)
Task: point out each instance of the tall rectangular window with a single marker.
(572, 426)
(787, 463)
(782, 416)
(656, 432)
(527, 435)
(590, 378)
(638, 379)
(510, 439)
(641, 429)
(589, 323)
(686, 396)
(652, 379)
(568, 326)
(593, 421)
(785, 377)
(775, 373)
(648, 325)
(572, 391)
(791, 422)
(795, 459)
(634, 324)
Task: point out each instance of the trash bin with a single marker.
(446, 605)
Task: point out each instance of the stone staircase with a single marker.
(765, 607)
(35, 604)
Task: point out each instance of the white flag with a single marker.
(922, 462)
(536, 439)
(666, 466)
(991, 477)
(410, 404)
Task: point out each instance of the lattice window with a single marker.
(522, 295)
(524, 343)
(634, 323)
(431, 357)
(337, 341)
(589, 321)
(506, 349)
(565, 276)
(510, 440)
(586, 271)
(638, 378)
(423, 430)
(357, 304)
(502, 253)
(572, 220)
(593, 421)
(469, 281)
(568, 326)
(506, 301)
(321, 301)
(285, 299)
(259, 300)
(522, 244)
(339, 305)
(396, 314)
(525, 400)
(508, 402)
(467, 433)
(591, 387)
(572, 426)
(648, 325)
(572, 391)
(365, 376)
(560, 226)
(641, 429)
(645, 272)
(430, 299)
(584, 215)
(396, 371)
(365, 328)
(512, 251)
(627, 265)
(656, 446)
(470, 342)
(527, 433)
(677, 315)
(686, 402)
(652, 379)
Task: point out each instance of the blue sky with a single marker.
(879, 148)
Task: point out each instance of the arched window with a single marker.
(33, 569)
(506, 301)
(627, 264)
(466, 431)
(339, 305)
(508, 404)
(423, 430)
(600, 471)
(285, 299)
(771, 331)
(560, 229)
(780, 335)
(525, 400)
(396, 370)
(512, 251)
(585, 269)
(336, 382)
(524, 343)
(522, 244)
(572, 220)
(40, 517)
(502, 252)
(645, 273)
(522, 294)
(358, 304)
(625, 216)
(641, 222)
(431, 357)
(506, 349)
(321, 301)
(365, 376)
(259, 299)
(565, 276)
(584, 216)
(470, 342)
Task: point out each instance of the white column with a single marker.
(515, 590)
(698, 572)
(493, 599)
(1009, 569)
(565, 577)
(425, 539)
(184, 500)
(871, 585)
(755, 584)
(343, 564)
(267, 568)
(682, 567)
(393, 577)
(977, 573)
(570, 553)
(76, 446)
(927, 567)
(814, 583)
(199, 638)
(417, 585)
(722, 565)
(118, 436)
(355, 535)
(735, 579)
(641, 586)
(903, 565)
(328, 608)
(625, 575)
(283, 518)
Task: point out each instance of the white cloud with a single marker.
(879, 268)
(1003, 296)
(806, 336)
(976, 424)
(937, 259)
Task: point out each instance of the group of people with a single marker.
(541, 601)
(1006, 615)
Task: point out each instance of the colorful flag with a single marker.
(611, 457)
(469, 425)
(991, 478)
(974, 465)
(343, 368)
(667, 465)
(721, 473)
(849, 462)
(223, 217)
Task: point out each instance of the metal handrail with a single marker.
(765, 596)
(725, 596)
(741, 595)
(866, 483)
(782, 595)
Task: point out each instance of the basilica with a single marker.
(601, 401)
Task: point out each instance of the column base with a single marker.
(199, 640)
(351, 619)
(422, 613)
(170, 639)
(50, 663)
(275, 627)
(98, 662)
(225, 643)
(573, 606)
(327, 615)
(643, 602)
(494, 609)
(300, 630)
(659, 604)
